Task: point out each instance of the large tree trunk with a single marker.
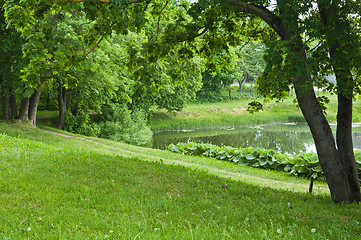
(9, 109)
(345, 87)
(345, 145)
(24, 109)
(330, 156)
(6, 115)
(33, 104)
(62, 95)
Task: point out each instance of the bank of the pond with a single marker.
(230, 114)
(234, 113)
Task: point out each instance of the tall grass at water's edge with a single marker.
(166, 121)
(210, 115)
(54, 187)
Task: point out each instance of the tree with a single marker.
(10, 63)
(297, 24)
(250, 64)
(214, 82)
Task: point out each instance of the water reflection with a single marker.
(285, 138)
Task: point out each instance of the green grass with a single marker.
(233, 113)
(211, 115)
(57, 187)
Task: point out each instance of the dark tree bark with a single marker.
(6, 114)
(33, 104)
(24, 109)
(62, 98)
(206, 91)
(9, 108)
(14, 108)
(327, 152)
(48, 101)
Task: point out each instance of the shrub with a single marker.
(127, 127)
(80, 124)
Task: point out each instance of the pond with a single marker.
(288, 138)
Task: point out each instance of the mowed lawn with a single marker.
(74, 187)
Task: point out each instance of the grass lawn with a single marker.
(64, 186)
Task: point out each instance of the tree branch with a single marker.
(100, 40)
(269, 17)
(159, 18)
(250, 38)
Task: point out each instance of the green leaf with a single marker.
(251, 156)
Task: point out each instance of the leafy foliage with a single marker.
(101, 60)
(80, 124)
(304, 164)
(127, 127)
(254, 107)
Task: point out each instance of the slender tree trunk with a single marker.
(33, 105)
(24, 109)
(345, 146)
(48, 101)
(6, 115)
(240, 82)
(344, 126)
(62, 95)
(14, 108)
(330, 18)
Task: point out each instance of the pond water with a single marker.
(285, 137)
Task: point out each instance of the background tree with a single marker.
(10, 65)
(250, 64)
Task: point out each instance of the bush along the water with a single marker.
(303, 164)
(127, 127)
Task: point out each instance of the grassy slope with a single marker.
(61, 187)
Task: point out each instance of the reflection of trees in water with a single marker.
(285, 139)
(282, 141)
(357, 140)
(286, 142)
